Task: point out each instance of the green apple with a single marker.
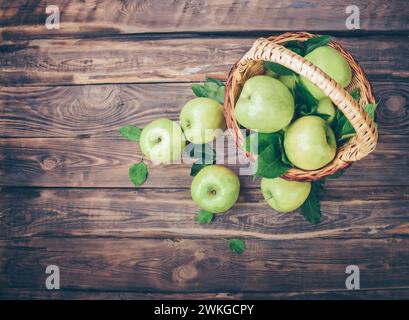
(325, 106)
(288, 81)
(265, 104)
(283, 195)
(162, 141)
(309, 143)
(333, 64)
(215, 188)
(202, 120)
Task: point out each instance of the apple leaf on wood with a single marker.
(311, 208)
(138, 173)
(256, 142)
(130, 132)
(237, 245)
(204, 217)
(196, 167)
(212, 88)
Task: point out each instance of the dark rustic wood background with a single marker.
(65, 196)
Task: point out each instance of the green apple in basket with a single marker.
(333, 64)
(162, 141)
(215, 188)
(202, 120)
(309, 143)
(283, 195)
(265, 104)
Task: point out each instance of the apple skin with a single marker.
(265, 104)
(162, 141)
(333, 64)
(215, 188)
(288, 81)
(309, 143)
(283, 195)
(200, 118)
(325, 106)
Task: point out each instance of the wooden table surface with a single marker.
(65, 197)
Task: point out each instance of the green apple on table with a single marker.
(202, 120)
(309, 143)
(162, 141)
(283, 195)
(215, 188)
(325, 106)
(265, 104)
(333, 64)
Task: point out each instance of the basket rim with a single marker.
(359, 79)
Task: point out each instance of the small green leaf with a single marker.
(370, 109)
(215, 81)
(237, 245)
(199, 90)
(321, 115)
(311, 208)
(269, 162)
(130, 132)
(204, 217)
(315, 42)
(356, 94)
(285, 160)
(196, 167)
(305, 103)
(277, 68)
(138, 173)
(204, 152)
(256, 142)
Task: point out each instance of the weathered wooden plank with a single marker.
(361, 213)
(27, 19)
(99, 110)
(364, 294)
(129, 59)
(180, 265)
(74, 162)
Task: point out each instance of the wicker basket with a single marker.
(270, 49)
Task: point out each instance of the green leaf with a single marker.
(237, 245)
(212, 88)
(370, 109)
(296, 46)
(130, 132)
(215, 81)
(278, 68)
(196, 167)
(305, 103)
(204, 217)
(269, 162)
(199, 90)
(204, 152)
(311, 208)
(256, 142)
(356, 94)
(315, 42)
(138, 173)
(321, 115)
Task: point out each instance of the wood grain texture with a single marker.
(75, 162)
(99, 110)
(347, 213)
(22, 19)
(132, 60)
(64, 294)
(203, 265)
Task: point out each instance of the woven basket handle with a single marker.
(366, 132)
